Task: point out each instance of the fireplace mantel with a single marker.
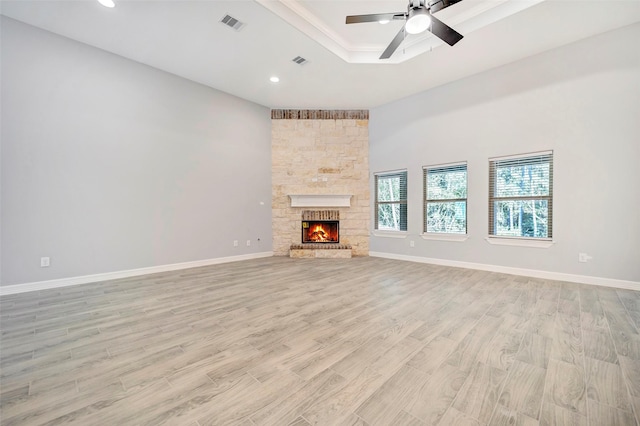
(320, 200)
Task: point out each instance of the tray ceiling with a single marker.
(186, 38)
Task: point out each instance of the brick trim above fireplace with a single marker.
(319, 114)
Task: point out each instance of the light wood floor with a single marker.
(361, 341)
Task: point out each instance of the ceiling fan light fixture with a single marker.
(418, 20)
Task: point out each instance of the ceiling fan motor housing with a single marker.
(418, 17)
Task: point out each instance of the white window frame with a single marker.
(536, 242)
(444, 236)
(392, 233)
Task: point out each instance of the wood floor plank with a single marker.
(569, 307)
(542, 324)
(432, 355)
(535, 349)
(635, 318)
(566, 387)
(631, 372)
(591, 312)
(477, 341)
(362, 341)
(300, 421)
(503, 416)
(636, 408)
(479, 394)
(296, 401)
(605, 384)
(599, 345)
(552, 415)
(502, 349)
(600, 414)
(385, 404)
(623, 332)
(436, 395)
(405, 419)
(630, 299)
(523, 389)
(567, 343)
(352, 420)
(454, 417)
(359, 357)
(368, 380)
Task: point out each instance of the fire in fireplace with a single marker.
(320, 231)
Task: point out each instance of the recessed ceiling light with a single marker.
(107, 3)
(274, 79)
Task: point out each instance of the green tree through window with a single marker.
(391, 201)
(445, 199)
(521, 196)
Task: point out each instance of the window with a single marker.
(521, 196)
(391, 201)
(445, 199)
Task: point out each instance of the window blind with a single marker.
(521, 196)
(445, 198)
(391, 201)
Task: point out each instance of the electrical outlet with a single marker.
(584, 257)
(412, 243)
(235, 243)
(45, 262)
(248, 243)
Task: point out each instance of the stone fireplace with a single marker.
(320, 153)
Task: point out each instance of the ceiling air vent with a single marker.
(232, 22)
(299, 60)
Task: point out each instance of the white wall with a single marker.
(110, 165)
(583, 102)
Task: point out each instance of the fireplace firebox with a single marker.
(320, 231)
(320, 226)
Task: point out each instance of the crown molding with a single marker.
(468, 17)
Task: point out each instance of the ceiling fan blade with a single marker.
(376, 17)
(441, 4)
(393, 46)
(444, 32)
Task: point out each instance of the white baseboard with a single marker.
(85, 279)
(557, 276)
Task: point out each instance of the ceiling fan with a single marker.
(419, 18)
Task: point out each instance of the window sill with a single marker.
(519, 242)
(444, 237)
(390, 234)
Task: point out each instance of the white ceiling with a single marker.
(186, 38)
